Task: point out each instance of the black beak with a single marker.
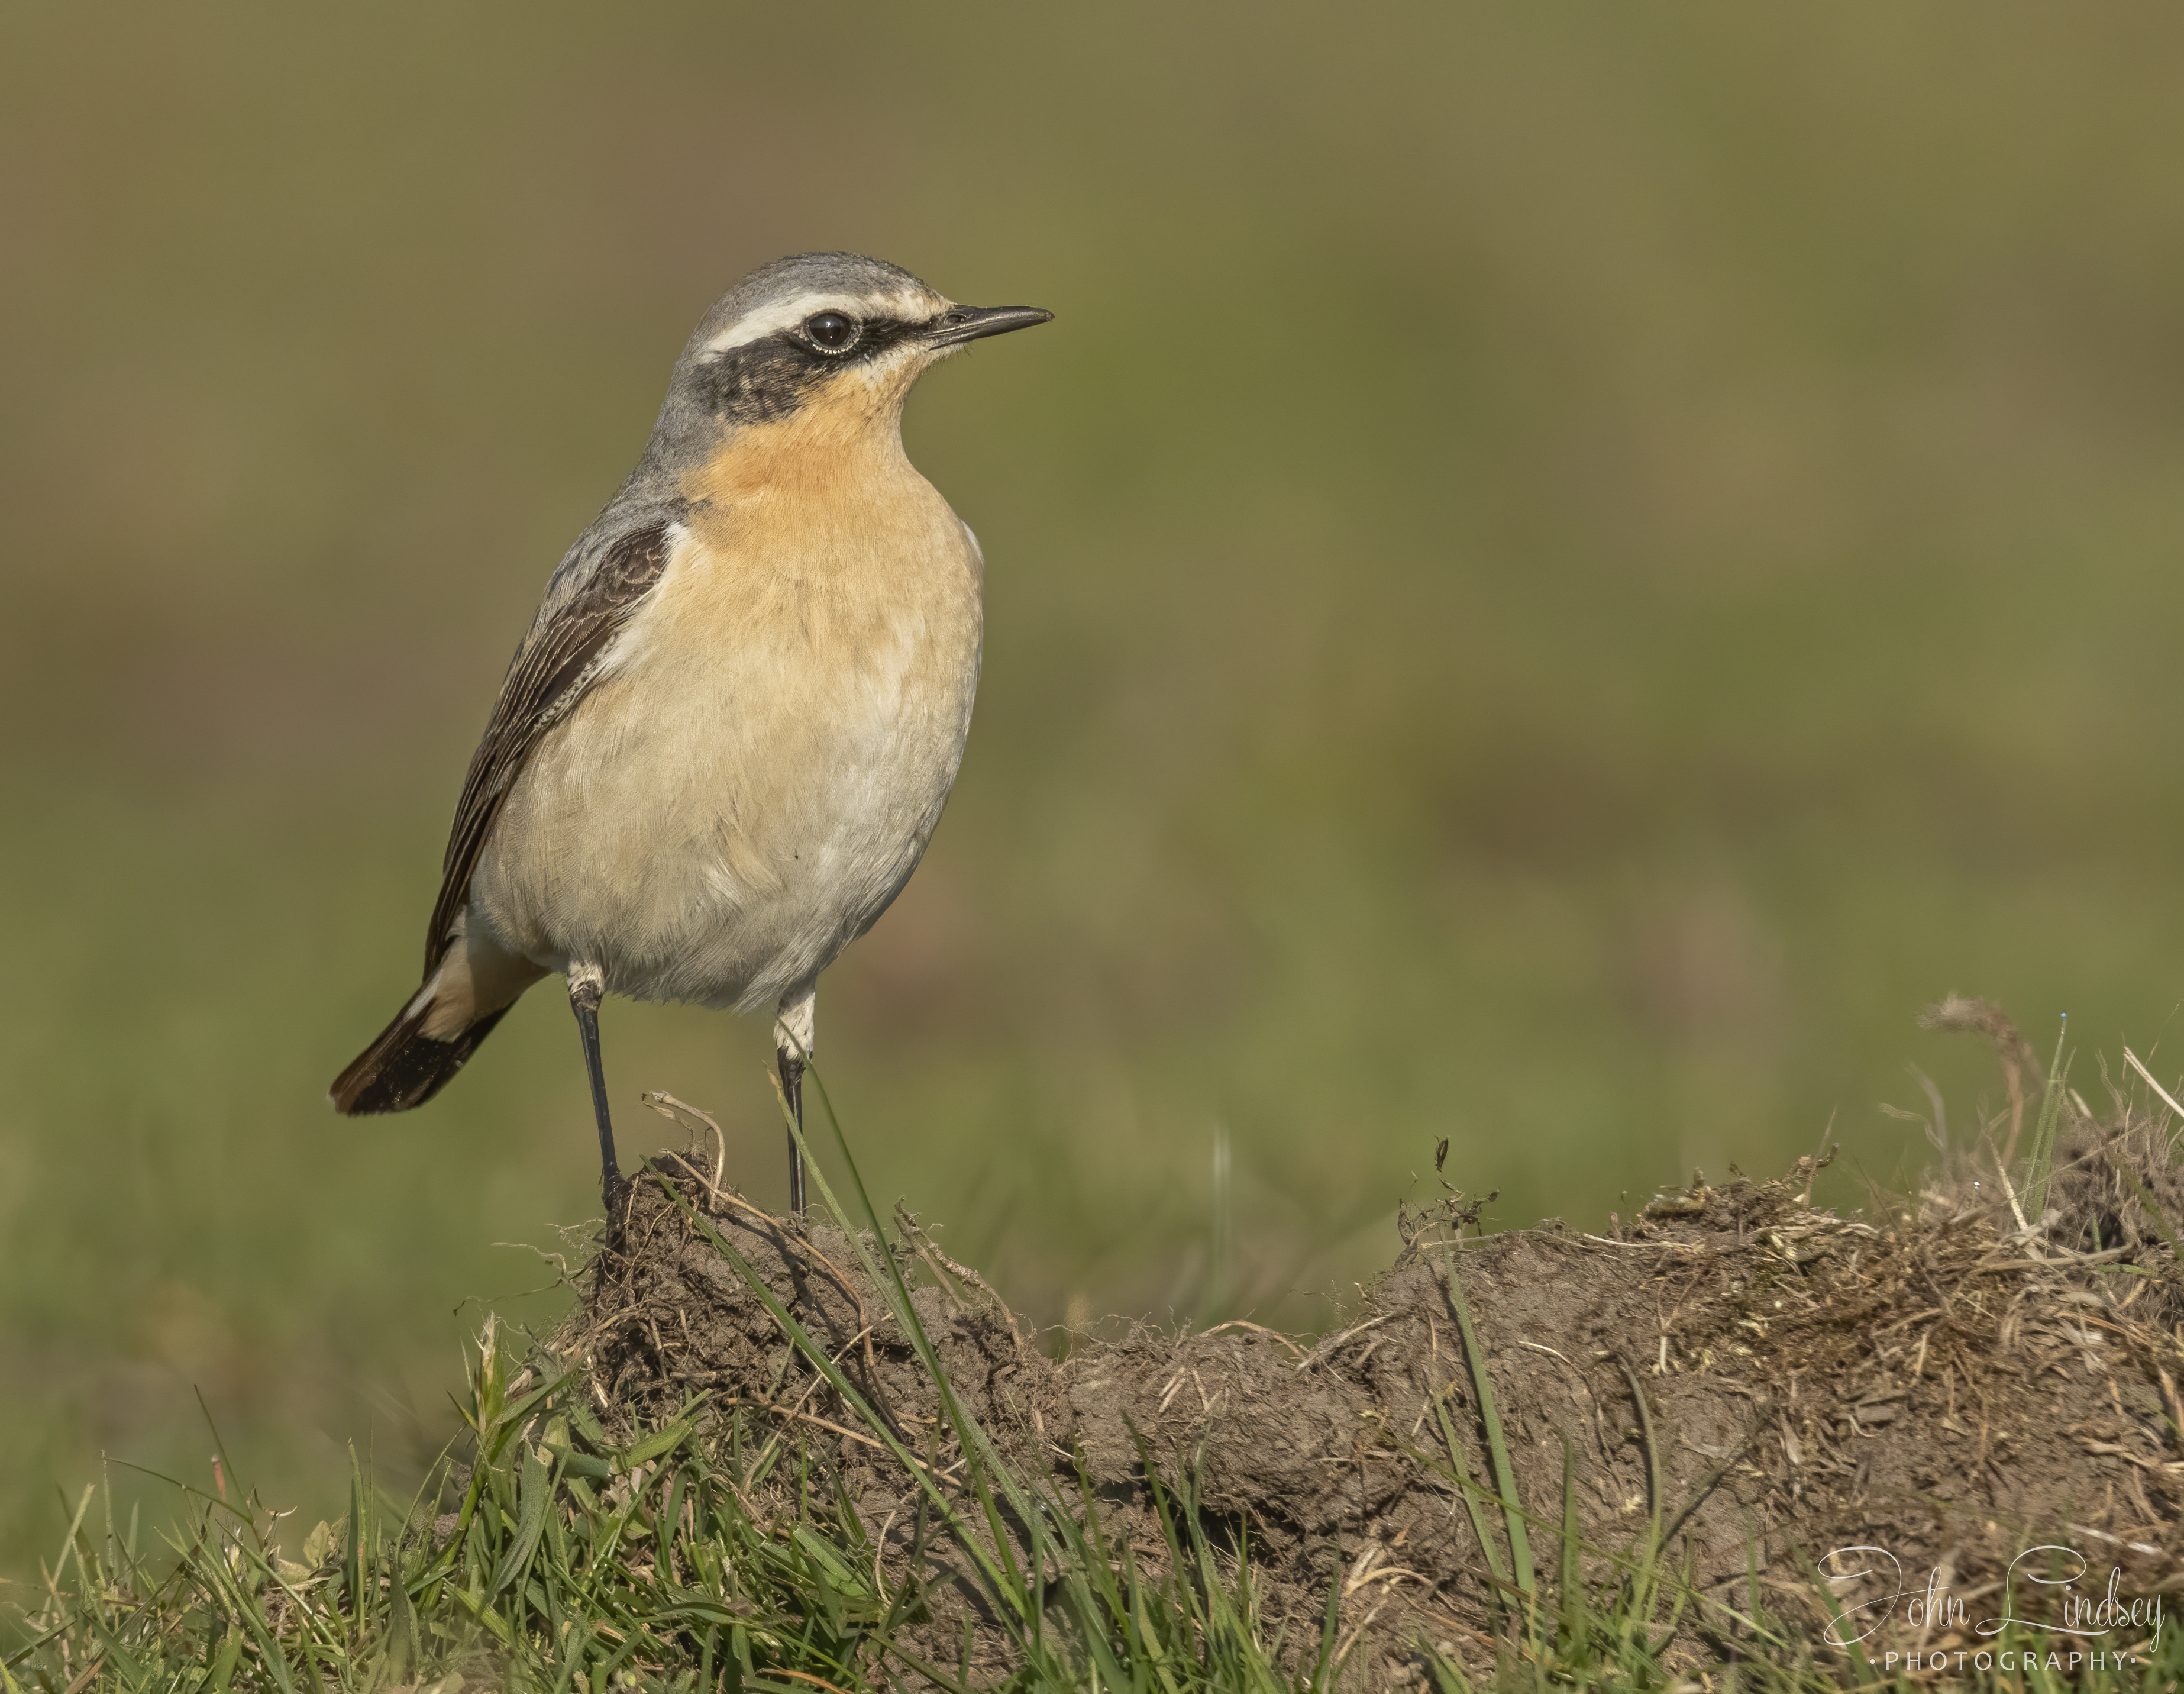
(959, 324)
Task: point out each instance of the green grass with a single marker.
(578, 1562)
(546, 1554)
(575, 1562)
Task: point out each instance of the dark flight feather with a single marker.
(402, 1069)
(552, 672)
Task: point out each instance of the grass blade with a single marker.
(1505, 1474)
(2041, 1159)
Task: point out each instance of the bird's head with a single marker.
(831, 332)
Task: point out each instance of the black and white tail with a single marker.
(404, 1067)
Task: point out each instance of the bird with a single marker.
(722, 746)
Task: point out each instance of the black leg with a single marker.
(584, 989)
(792, 1089)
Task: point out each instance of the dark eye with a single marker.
(830, 330)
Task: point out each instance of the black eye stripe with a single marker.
(763, 381)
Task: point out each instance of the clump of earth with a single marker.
(1759, 1384)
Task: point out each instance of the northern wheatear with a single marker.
(720, 751)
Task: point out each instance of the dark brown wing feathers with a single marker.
(550, 674)
(556, 663)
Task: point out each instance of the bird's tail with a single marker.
(406, 1066)
(416, 1055)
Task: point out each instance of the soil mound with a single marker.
(1758, 1384)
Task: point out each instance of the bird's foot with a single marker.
(614, 1193)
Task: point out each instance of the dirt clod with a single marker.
(1761, 1382)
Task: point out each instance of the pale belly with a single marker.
(717, 821)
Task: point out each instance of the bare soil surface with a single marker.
(1762, 1383)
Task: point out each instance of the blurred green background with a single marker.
(1560, 573)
